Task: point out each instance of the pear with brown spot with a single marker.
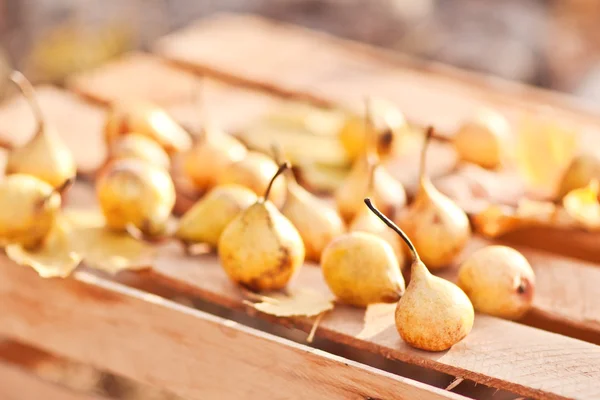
(438, 227)
(261, 249)
(433, 314)
(499, 281)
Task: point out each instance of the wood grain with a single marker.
(193, 354)
(78, 122)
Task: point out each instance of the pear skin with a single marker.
(582, 170)
(499, 281)
(366, 221)
(209, 216)
(135, 145)
(361, 269)
(433, 314)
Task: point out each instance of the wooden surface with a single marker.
(193, 354)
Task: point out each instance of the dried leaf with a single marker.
(297, 302)
(378, 317)
(54, 259)
(584, 205)
(111, 251)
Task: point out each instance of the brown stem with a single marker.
(423, 164)
(57, 190)
(395, 228)
(29, 92)
(280, 170)
(279, 156)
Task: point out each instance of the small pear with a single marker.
(433, 314)
(361, 269)
(499, 281)
(133, 192)
(439, 228)
(582, 170)
(210, 156)
(261, 249)
(45, 156)
(28, 209)
(483, 139)
(369, 178)
(135, 145)
(208, 218)
(366, 221)
(147, 119)
(255, 172)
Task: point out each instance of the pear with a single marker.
(209, 216)
(135, 193)
(210, 156)
(483, 139)
(147, 119)
(499, 281)
(582, 170)
(255, 171)
(369, 178)
(361, 269)
(438, 227)
(135, 145)
(366, 221)
(29, 207)
(261, 249)
(433, 314)
(45, 156)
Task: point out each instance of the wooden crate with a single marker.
(215, 346)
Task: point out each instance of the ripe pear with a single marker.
(45, 156)
(366, 221)
(133, 192)
(209, 216)
(261, 249)
(439, 228)
(255, 172)
(210, 156)
(369, 178)
(582, 170)
(499, 281)
(135, 145)
(147, 119)
(433, 314)
(28, 210)
(483, 139)
(361, 269)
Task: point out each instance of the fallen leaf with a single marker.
(55, 258)
(378, 317)
(297, 302)
(584, 205)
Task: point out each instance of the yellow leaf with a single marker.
(111, 251)
(378, 317)
(54, 259)
(584, 205)
(298, 302)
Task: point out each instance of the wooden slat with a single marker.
(193, 354)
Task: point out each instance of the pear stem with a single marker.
(284, 166)
(395, 228)
(29, 92)
(423, 161)
(57, 190)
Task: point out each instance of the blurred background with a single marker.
(553, 44)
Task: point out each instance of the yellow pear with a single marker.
(135, 193)
(255, 171)
(135, 145)
(28, 209)
(499, 281)
(209, 216)
(45, 156)
(582, 170)
(210, 156)
(147, 119)
(261, 249)
(366, 221)
(433, 314)
(361, 269)
(438, 227)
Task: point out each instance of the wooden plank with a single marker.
(78, 122)
(193, 354)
